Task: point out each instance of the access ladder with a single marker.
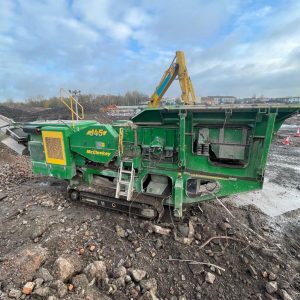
(125, 187)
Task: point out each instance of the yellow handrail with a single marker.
(78, 115)
(121, 136)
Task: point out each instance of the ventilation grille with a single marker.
(54, 148)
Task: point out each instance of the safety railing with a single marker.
(120, 146)
(76, 109)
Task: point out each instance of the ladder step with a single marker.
(123, 194)
(126, 172)
(124, 182)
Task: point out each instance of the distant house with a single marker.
(168, 101)
(218, 99)
(284, 100)
(294, 100)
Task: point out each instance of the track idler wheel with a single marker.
(74, 195)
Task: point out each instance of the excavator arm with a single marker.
(176, 69)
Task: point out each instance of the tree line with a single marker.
(88, 101)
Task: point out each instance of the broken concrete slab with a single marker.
(21, 265)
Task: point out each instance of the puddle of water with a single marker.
(273, 199)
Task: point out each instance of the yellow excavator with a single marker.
(176, 69)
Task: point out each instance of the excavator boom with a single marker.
(188, 94)
(176, 69)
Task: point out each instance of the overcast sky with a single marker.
(233, 47)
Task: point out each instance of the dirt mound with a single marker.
(39, 113)
(33, 114)
(13, 113)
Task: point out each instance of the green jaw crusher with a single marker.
(175, 156)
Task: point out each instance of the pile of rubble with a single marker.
(70, 279)
(52, 248)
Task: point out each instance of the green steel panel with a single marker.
(36, 150)
(98, 143)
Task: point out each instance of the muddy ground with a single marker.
(61, 249)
